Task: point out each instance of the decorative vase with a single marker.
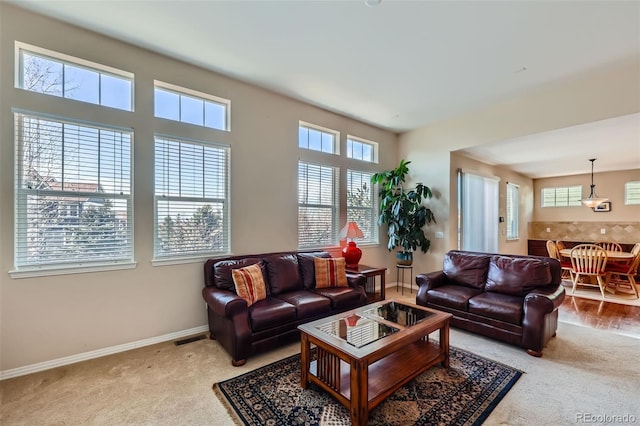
(404, 258)
(351, 254)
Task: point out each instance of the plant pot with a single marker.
(404, 258)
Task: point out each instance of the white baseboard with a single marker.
(41, 366)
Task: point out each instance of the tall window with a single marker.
(317, 138)
(513, 200)
(478, 199)
(632, 193)
(317, 205)
(362, 204)
(562, 196)
(189, 106)
(360, 149)
(191, 198)
(73, 194)
(52, 73)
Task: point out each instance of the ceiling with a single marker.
(402, 64)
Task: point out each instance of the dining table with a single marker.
(617, 256)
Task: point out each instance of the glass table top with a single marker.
(399, 313)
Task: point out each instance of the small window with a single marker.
(316, 138)
(362, 204)
(632, 193)
(562, 196)
(317, 205)
(360, 149)
(191, 107)
(513, 199)
(191, 198)
(53, 73)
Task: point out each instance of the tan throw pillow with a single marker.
(330, 272)
(249, 283)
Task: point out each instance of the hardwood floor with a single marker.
(614, 317)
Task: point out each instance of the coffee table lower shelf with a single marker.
(384, 376)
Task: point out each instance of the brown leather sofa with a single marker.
(511, 298)
(292, 299)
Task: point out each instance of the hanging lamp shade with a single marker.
(593, 200)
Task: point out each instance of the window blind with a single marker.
(632, 193)
(362, 204)
(513, 198)
(191, 198)
(478, 215)
(562, 196)
(317, 205)
(73, 193)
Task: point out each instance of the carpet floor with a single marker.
(464, 394)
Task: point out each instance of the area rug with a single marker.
(464, 394)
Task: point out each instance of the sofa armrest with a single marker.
(356, 280)
(545, 299)
(224, 303)
(426, 282)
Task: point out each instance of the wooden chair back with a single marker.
(552, 250)
(588, 259)
(610, 246)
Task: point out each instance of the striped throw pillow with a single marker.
(330, 272)
(249, 283)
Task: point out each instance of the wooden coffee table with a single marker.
(366, 354)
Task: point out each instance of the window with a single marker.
(189, 106)
(632, 193)
(359, 149)
(316, 138)
(362, 205)
(562, 196)
(44, 71)
(513, 199)
(317, 205)
(478, 202)
(191, 198)
(73, 194)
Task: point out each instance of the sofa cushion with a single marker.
(517, 276)
(222, 271)
(502, 307)
(330, 272)
(307, 303)
(308, 269)
(283, 273)
(342, 297)
(467, 269)
(271, 312)
(452, 296)
(249, 283)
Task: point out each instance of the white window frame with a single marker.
(204, 97)
(351, 140)
(512, 211)
(323, 130)
(183, 195)
(563, 192)
(305, 203)
(63, 59)
(370, 229)
(632, 193)
(64, 264)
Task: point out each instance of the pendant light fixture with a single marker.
(593, 200)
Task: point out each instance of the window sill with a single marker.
(168, 261)
(66, 270)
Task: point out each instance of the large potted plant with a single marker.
(402, 211)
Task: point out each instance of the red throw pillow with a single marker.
(330, 272)
(249, 283)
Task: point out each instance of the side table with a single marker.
(400, 269)
(371, 288)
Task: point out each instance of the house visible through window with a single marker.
(191, 198)
(317, 205)
(632, 193)
(73, 194)
(513, 199)
(362, 204)
(189, 106)
(53, 73)
(562, 196)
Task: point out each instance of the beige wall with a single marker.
(610, 91)
(51, 317)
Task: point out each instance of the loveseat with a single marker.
(245, 327)
(511, 298)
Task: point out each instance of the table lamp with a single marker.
(351, 252)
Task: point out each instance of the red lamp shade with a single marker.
(351, 252)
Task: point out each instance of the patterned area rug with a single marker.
(464, 394)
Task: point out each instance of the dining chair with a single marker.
(590, 261)
(609, 246)
(617, 271)
(554, 253)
